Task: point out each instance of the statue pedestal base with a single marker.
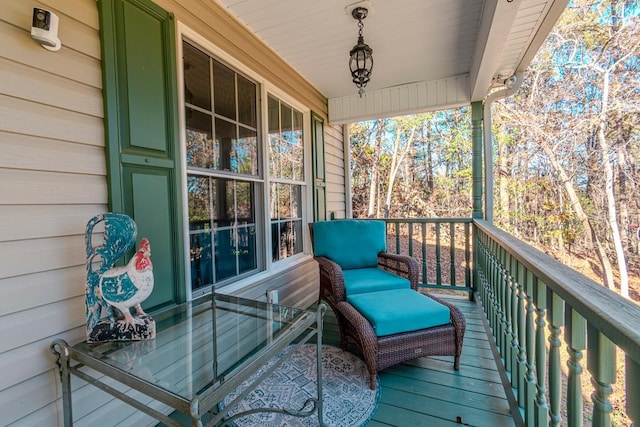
(144, 328)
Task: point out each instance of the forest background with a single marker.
(566, 149)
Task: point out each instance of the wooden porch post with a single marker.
(477, 112)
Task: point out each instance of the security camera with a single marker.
(44, 29)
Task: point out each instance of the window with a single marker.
(286, 173)
(223, 179)
(229, 220)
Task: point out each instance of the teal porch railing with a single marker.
(534, 305)
(442, 246)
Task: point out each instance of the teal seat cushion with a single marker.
(400, 310)
(350, 243)
(360, 280)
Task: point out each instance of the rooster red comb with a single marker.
(144, 244)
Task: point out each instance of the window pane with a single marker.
(244, 202)
(286, 161)
(286, 119)
(247, 102)
(201, 259)
(201, 152)
(200, 217)
(296, 248)
(289, 203)
(225, 140)
(286, 150)
(274, 116)
(246, 152)
(286, 239)
(197, 79)
(274, 137)
(227, 202)
(247, 248)
(224, 91)
(200, 197)
(225, 255)
(274, 199)
(286, 217)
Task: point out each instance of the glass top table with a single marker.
(203, 350)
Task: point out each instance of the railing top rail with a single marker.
(428, 220)
(615, 316)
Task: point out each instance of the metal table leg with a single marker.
(61, 349)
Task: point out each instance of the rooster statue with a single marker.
(127, 286)
(110, 287)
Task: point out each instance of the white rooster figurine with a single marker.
(127, 286)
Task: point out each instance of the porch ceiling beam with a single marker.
(498, 17)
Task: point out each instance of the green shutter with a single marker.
(319, 184)
(142, 135)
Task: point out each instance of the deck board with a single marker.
(428, 392)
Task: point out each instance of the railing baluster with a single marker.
(575, 334)
(494, 287)
(541, 361)
(556, 321)
(411, 239)
(502, 308)
(438, 258)
(424, 253)
(521, 358)
(632, 373)
(467, 256)
(452, 254)
(601, 362)
(397, 224)
(513, 305)
(530, 395)
(508, 316)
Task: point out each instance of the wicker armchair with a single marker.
(380, 352)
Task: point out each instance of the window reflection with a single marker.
(222, 229)
(222, 121)
(286, 220)
(286, 160)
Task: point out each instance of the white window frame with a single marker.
(266, 88)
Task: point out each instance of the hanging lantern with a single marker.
(361, 56)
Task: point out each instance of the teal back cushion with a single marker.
(350, 243)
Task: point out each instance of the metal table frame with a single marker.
(72, 359)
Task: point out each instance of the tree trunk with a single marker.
(373, 189)
(502, 176)
(582, 216)
(608, 180)
(396, 161)
(623, 199)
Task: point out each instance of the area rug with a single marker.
(348, 400)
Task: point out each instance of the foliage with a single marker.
(432, 161)
(576, 114)
(566, 147)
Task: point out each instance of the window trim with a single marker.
(265, 88)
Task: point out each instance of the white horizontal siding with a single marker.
(334, 171)
(30, 118)
(21, 222)
(23, 81)
(399, 100)
(52, 180)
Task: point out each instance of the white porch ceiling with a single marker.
(428, 54)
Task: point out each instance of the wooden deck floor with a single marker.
(428, 392)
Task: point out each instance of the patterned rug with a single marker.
(348, 400)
